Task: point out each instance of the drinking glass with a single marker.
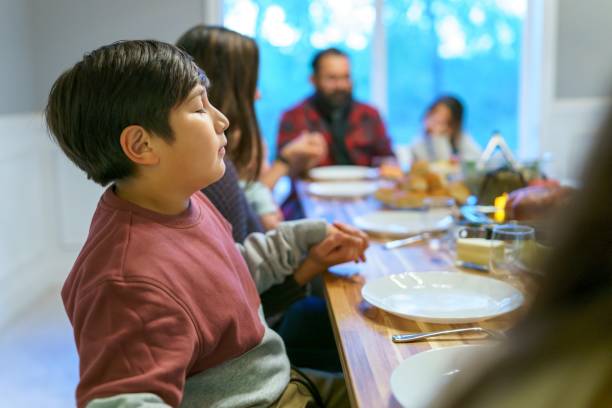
(511, 251)
(456, 232)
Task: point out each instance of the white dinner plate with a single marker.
(442, 297)
(343, 173)
(419, 379)
(344, 189)
(398, 223)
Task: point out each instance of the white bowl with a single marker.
(419, 379)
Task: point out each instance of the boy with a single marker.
(164, 307)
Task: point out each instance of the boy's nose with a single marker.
(222, 122)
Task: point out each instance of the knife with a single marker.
(473, 216)
(472, 265)
(441, 226)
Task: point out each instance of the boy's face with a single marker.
(195, 158)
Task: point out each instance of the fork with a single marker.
(423, 236)
(407, 338)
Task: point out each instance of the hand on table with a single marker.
(534, 202)
(342, 243)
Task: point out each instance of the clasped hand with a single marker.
(342, 243)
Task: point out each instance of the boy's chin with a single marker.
(217, 177)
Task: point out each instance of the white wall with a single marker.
(31, 257)
(47, 202)
(583, 52)
(566, 77)
(16, 69)
(63, 30)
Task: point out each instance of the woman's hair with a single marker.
(456, 109)
(572, 310)
(231, 62)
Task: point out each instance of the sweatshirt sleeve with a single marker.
(137, 400)
(133, 338)
(273, 256)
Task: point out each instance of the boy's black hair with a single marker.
(118, 85)
(316, 60)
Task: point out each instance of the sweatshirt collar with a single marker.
(189, 217)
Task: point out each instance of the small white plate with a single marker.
(442, 297)
(399, 223)
(419, 379)
(343, 173)
(345, 189)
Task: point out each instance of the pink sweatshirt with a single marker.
(155, 299)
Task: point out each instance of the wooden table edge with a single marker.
(345, 368)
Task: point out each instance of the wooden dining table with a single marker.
(362, 331)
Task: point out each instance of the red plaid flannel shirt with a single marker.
(365, 139)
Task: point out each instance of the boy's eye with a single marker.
(201, 111)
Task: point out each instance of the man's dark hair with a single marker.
(316, 60)
(118, 85)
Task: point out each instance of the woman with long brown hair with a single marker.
(231, 61)
(210, 46)
(444, 138)
(238, 73)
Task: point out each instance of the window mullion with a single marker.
(378, 83)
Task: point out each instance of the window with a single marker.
(470, 48)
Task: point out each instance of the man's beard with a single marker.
(336, 99)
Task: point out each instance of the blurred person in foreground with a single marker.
(560, 354)
(444, 138)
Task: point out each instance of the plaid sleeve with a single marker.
(382, 143)
(290, 128)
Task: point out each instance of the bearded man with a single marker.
(352, 131)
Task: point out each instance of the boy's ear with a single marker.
(137, 145)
